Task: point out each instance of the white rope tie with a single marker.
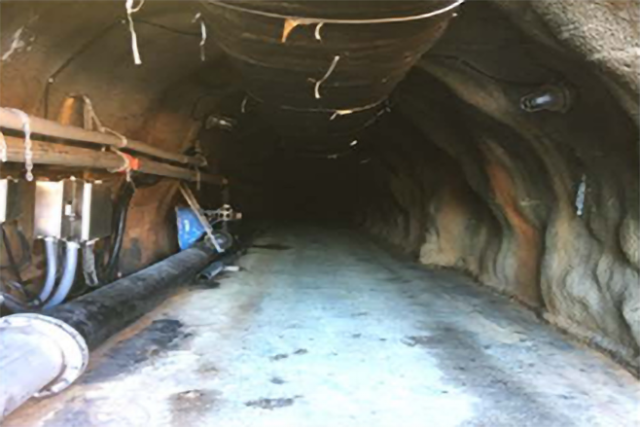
(326, 76)
(126, 167)
(3, 148)
(98, 124)
(92, 112)
(28, 152)
(243, 107)
(134, 37)
(126, 164)
(203, 31)
(339, 113)
(317, 34)
(123, 139)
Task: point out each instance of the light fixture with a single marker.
(555, 97)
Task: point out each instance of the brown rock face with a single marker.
(540, 205)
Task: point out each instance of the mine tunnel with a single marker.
(319, 213)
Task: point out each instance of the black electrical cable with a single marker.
(480, 71)
(119, 225)
(95, 271)
(107, 272)
(12, 259)
(82, 49)
(167, 28)
(85, 47)
(25, 258)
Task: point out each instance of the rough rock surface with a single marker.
(474, 182)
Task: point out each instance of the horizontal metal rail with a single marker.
(45, 153)
(39, 126)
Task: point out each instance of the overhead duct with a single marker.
(328, 66)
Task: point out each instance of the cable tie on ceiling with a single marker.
(317, 34)
(134, 37)
(338, 113)
(243, 106)
(3, 148)
(28, 152)
(326, 76)
(203, 32)
(291, 23)
(288, 26)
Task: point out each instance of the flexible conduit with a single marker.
(51, 251)
(70, 264)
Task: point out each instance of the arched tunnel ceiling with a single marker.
(86, 47)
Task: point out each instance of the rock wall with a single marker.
(542, 206)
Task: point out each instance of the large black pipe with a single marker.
(106, 311)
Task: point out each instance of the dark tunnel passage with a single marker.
(434, 205)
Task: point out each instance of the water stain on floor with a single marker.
(159, 337)
(189, 407)
(271, 404)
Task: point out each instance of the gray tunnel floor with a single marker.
(335, 332)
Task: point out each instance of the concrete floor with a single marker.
(335, 332)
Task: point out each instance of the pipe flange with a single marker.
(69, 341)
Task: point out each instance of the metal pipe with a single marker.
(218, 266)
(68, 277)
(119, 226)
(211, 271)
(63, 155)
(104, 312)
(51, 251)
(39, 126)
(40, 356)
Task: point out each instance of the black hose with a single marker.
(15, 305)
(119, 225)
(106, 273)
(12, 259)
(104, 312)
(25, 252)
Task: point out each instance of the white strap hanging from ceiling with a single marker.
(332, 67)
(28, 152)
(3, 148)
(131, 9)
(203, 32)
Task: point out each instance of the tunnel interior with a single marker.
(494, 138)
